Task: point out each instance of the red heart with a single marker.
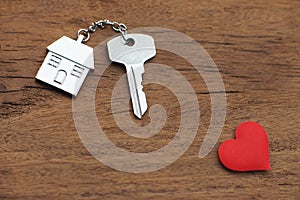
(249, 151)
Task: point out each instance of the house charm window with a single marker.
(77, 71)
(54, 61)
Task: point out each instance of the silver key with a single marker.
(133, 54)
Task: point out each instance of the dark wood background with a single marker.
(255, 44)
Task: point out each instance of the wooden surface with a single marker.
(255, 44)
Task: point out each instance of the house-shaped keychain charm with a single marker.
(67, 64)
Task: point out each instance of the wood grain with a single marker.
(255, 45)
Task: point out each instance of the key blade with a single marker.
(138, 97)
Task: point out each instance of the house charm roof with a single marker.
(73, 50)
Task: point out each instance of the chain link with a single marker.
(118, 27)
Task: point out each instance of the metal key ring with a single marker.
(85, 33)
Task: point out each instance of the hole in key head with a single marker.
(129, 42)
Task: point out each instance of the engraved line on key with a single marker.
(137, 94)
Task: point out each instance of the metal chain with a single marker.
(118, 27)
